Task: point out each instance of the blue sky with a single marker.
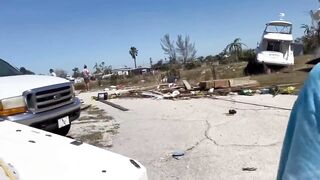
(40, 34)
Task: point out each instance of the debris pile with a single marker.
(185, 90)
(229, 84)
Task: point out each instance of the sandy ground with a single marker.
(216, 145)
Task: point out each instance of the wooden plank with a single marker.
(205, 85)
(156, 92)
(228, 83)
(221, 84)
(166, 90)
(186, 84)
(242, 82)
(217, 84)
(114, 105)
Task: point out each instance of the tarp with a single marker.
(300, 156)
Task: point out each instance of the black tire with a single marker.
(63, 131)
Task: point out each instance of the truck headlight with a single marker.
(11, 106)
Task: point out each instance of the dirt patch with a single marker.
(92, 138)
(95, 127)
(95, 111)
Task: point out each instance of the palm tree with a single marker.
(134, 53)
(307, 29)
(97, 68)
(75, 72)
(235, 48)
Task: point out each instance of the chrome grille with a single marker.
(50, 97)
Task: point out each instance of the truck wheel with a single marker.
(63, 131)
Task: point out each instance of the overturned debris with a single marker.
(159, 95)
(184, 90)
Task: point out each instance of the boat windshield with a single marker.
(279, 28)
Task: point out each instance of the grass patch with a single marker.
(282, 78)
(224, 71)
(95, 113)
(297, 75)
(234, 70)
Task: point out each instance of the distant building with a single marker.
(141, 71)
(122, 71)
(129, 71)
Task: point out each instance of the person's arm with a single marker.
(300, 157)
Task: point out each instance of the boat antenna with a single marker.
(282, 15)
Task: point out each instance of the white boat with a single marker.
(275, 47)
(27, 153)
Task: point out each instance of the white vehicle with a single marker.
(70, 78)
(44, 102)
(275, 47)
(27, 153)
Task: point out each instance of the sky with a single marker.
(63, 34)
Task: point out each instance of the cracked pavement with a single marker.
(216, 145)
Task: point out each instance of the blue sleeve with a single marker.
(300, 156)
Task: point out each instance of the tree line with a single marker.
(183, 52)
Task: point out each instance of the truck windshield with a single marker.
(7, 70)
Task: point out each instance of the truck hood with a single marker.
(12, 86)
(53, 157)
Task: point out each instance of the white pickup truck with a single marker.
(43, 102)
(27, 153)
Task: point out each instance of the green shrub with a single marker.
(192, 65)
(114, 79)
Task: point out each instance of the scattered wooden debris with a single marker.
(186, 84)
(156, 92)
(229, 83)
(222, 83)
(152, 95)
(220, 87)
(206, 85)
(216, 84)
(170, 89)
(243, 82)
